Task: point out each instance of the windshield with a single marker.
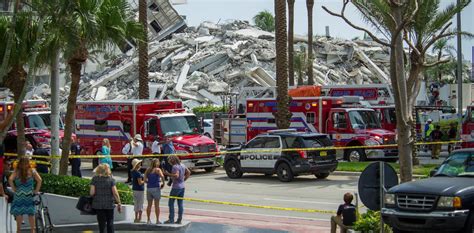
(362, 119)
(458, 164)
(42, 121)
(179, 124)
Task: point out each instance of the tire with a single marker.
(355, 155)
(322, 175)
(49, 225)
(232, 169)
(469, 227)
(284, 172)
(210, 169)
(39, 223)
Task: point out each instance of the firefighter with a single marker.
(452, 135)
(75, 162)
(436, 136)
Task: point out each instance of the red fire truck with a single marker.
(346, 124)
(37, 117)
(467, 135)
(120, 120)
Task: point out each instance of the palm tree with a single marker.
(282, 115)
(87, 25)
(25, 36)
(300, 62)
(265, 21)
(309, 7)
(291, 18)
(143, 52)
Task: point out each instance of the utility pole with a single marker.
(459, 69)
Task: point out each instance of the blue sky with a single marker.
(198, 11)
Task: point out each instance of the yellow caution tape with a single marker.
(246, 205)
(203, 154)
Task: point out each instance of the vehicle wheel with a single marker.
(284, 172)
(232, 168)
(210, 169)
(469, 227)
(355, 155)
(322, 175)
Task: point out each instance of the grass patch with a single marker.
(423, 170)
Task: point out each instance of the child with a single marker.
(155, 182)
(346, 215)
(138, 188)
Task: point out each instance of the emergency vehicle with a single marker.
(120, 120)
(467, 135)
(345, 123)
(37, 118)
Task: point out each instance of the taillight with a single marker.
(303, 154)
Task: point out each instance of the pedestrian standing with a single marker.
(179, 174)
(452, 135)
(155, 182)
(44, 151)
(346, 215)
(75, 162)
(429, 127)
(126, 150)
(138, 188)
(25, 182)
(104, 196)
(436, 136)
(168, 149)
(106, 148)
(29, 149)
(155, 147)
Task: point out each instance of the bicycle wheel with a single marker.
(39, 222)
(47, 219)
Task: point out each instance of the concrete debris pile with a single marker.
(204, 63)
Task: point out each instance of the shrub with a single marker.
(209, 109)
(369, 222)
(75, 187)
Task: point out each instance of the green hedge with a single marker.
(209, 109)
(74, 187)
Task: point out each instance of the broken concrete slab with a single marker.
(182, 78)
(101, 93)
(211, 97)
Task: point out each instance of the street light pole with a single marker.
(459, 68)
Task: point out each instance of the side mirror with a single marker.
(145, 125)
(432, 172)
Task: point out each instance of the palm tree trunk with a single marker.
(309, 6)
(143, 52)
(282, 115)
(291, 16)
(75, 66)
(16, 80)
(55, 112)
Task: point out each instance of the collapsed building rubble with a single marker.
(202, 64)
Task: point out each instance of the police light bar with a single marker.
(36, 109)
(281, 131)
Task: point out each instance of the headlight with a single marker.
(449, 202)
(371, 142)
(389, 199)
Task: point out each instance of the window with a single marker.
(155, 26)
(339, 120)
(127, 126)
(293, 142)
(310, 117)
(179, 124)
(207, 124)
(153, 127)
(154, 7)
(256, 143)
(101, 125)
(272, 142)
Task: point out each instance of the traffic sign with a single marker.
(369, 183)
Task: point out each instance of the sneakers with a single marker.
(178, 222)
(169, 222)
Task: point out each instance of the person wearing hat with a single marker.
(136, 149)
(138, 188)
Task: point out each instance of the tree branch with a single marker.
(428, 65)
(439, 36)
(406, 21)
(342, 16)
(410, 44)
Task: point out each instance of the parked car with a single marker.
(264, 154)
(208, 128)
(442, 203)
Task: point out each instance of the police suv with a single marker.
(277, 152)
